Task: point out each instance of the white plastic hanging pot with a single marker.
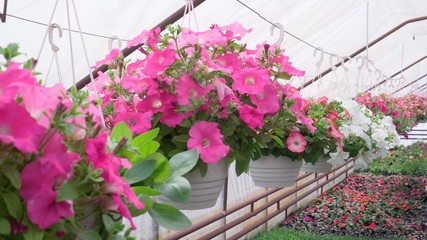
(321, 166)
(204, 190)
(272, 172)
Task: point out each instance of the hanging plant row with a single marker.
(73, 164)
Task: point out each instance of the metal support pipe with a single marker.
(409, 84)
(397, 73)
(127, 51)
(418, 90)
(363, 49)
(284, 207)
(205, 222)
(4, 13)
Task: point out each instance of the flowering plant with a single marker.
(405, 111)
(60, 172)
(203, 90)
(328, 116)
(367, 135)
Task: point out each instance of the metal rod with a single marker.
(397, 73)
(265, 206)
(224, 203)
(3, 15)
(417, 90)
(205, 222)
(127, 51)
(363, 49)
(409, 84)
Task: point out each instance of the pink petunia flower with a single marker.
(18, 128)
(146, 37)
(137, 122)
(155, 103)
(187, 88)
(41, 177)
(110, 165)
(296, 142)
(158, 61)
(171, 118)
(267, 101)
(251, 116)
(109, 58)
(12, 78)
(250, 80)
(207, 138)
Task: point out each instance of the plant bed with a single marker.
(362, 206)
(289, 234)
(410, 160)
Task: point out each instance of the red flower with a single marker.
(372, 226)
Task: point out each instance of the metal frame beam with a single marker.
(364, 49)
(127, 51)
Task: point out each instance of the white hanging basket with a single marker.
(321, 166)
(204, 190)
(272, 172)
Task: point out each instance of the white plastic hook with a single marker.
(111, 40)
(367, 61)
(322, 56)
(282, 32)
(333, 67)
(380, 74)
(50, 32)
(362, 59)
(343, 62)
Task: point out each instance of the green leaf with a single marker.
(176, 189)
(278, 140)
(4, 226)
(148, 148)
(67, 192)
(33, 234)
(121, 130)
(145, 137)
(140, 171)
(145, 190)
(169, 217)
(13, 175)
(183, 162)
(148, 203)
(162, 170)
(13, 204)
(90, 235)
(108, 223)
(242, 167)
(182, 138)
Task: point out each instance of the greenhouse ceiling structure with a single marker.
(319, 35)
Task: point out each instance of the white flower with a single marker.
(338, 158)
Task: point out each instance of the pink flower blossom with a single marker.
(155, 103)
(296, 142)
(207, 138)
(187, 88)
(158, 61)
(171, 118)
(12, 78)
(372, 226)
(221, 87)
(136, 84)
(41, 177)
(251, 116)
(109, 58)
(110, 165)
(285, 66)
(146, 37)
(137, 122)
(267, 101)
(250, 80)
(18, 128)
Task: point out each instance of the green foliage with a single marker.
(288, 234)
(409, 161)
